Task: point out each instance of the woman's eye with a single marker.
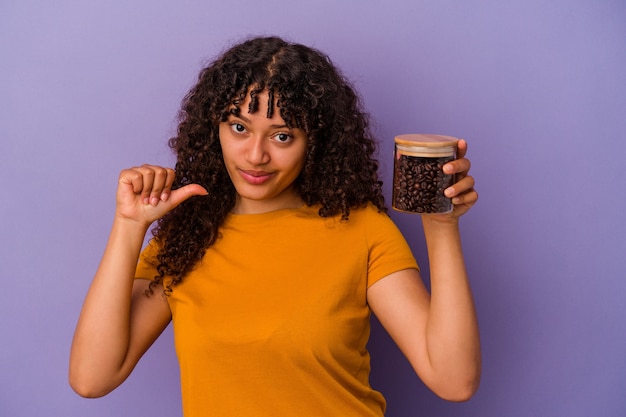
(237, 127)
(282, 137)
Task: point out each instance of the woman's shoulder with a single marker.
(367, 219)
(369, 213)
(150, 251)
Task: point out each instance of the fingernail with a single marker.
(449, 192)
(164, 196)
(146, 200)
(154, 201)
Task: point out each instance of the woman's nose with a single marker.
(257, 152)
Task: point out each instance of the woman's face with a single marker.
(263, 158)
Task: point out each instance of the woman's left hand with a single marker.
(462, 191)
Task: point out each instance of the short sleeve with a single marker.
(389, 251)
(147, 265)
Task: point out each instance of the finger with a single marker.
(468, 198)
(184, 193)
(463, 185)
(155, 180)
(461, 149)
(458, 166)
(159, 179)
(169, 181)
(454, 166)
(147, 176)
(133, 179)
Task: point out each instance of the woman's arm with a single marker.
(118, 323)
(104, 351)
(437, 332)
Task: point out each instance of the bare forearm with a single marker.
(102, 334)
(452, 328)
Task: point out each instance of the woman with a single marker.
(271, 249)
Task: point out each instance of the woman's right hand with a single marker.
(144, 194)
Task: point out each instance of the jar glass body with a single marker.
(419, 180)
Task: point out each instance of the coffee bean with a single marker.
(419, 183)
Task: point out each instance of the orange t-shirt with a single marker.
(274, 320)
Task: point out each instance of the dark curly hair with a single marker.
(340, 171)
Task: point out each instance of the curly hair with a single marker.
(340, 170)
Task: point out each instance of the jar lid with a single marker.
(426, 140)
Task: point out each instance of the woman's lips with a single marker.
(255, 177)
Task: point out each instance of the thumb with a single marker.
(184, 193)
(461, 148)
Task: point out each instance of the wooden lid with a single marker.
(426, 140)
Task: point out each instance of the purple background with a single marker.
(538, 88)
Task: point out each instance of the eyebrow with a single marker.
(245, 119)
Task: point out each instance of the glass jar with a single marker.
(418, 178)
